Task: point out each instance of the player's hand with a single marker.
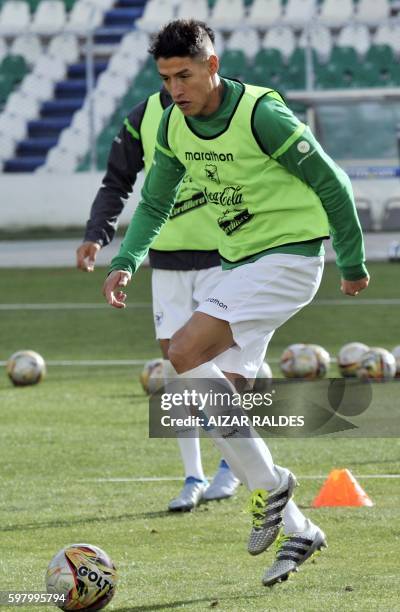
(354, 287)
(86, 256)
(112, 288)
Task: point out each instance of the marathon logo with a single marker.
(217, 302)
(180, 208)
(208, 156)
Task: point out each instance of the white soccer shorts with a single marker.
(178, 293)
(258, 297)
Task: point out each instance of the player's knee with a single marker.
(180, 355)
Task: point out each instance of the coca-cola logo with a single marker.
(230, 196)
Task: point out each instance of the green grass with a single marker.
(83, 424)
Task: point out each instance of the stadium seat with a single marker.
(15, 66)
(372, 12)
(52, 67)
(245, 39)
(111, 85)
(6, 87)
(268, 68)
(65, 46)
(320, 40)
(335, 13)
(364, 208)
(22, 105)
(125, 64)
(83, 17)
(281, 38)
(29, 46)
(264, 13)
(12, 125)
(49, 17)
(388, 34)
(233, 63)
(355, 35)
(299, 12)
(345, 61)
(391, 215)
(228, 14)
(38, 87)
(14, 17)
(60, 161)
(193, 9)
(136, 42)
(156, 12)
(7, 146)
(387, 68)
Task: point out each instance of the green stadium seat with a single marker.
(233, 63)
(15, 66)
(6, 86)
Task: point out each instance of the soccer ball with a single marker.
(323, 358)
(82, 576)
(396, 355)
(299, 361)
(263, 380)
(26, 368)
(152, 376)
(349, 358)
(377, 364)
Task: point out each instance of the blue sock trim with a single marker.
(192, 479)
(224, 464)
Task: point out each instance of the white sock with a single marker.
(189, 447)
(294, 520)
(249, 457)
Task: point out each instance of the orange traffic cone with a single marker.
(341, 489)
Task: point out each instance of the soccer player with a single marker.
(278, 196)
(186, 267)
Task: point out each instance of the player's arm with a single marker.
(157, 199)
(292, 144)
(125, 161)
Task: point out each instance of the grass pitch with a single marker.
(71, 447)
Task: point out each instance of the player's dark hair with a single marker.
(182, 38)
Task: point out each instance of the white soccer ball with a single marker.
(81, 577)
(323, 357)
(152, 376)
(396, 355)
(377, 364)
(349, 358)
(262, 381)
(299, 361)
(26, 368)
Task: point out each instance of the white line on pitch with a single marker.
(139, 305)
(175, 478)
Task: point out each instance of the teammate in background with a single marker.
(278, 195)
(185, 262)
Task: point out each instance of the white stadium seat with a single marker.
(84, 16)
(7, 146)
(281, 38)
(60, 161)
(136, 43)
(388, 34)
(22, 105)
(51, 67)
(38, 87)
(335, 13)
(228, 14)
(112, 85)
(264, 13)
(29, 46)
(124, 64)
(320, 40)
(64, 46)
(156, 13)
(14, 17)
(299, 12)
(193, 9)
(12, 125)
(355, 35)
(74, 141)
(372, 12)
(246, 39)
(49, 17)
(103, 5)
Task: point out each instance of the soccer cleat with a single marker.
(190, 496)
(292, 550)
(267, 508)
(224, 484)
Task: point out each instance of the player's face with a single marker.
(191, 83)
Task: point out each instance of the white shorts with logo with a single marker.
(177, 294)
(258, 297)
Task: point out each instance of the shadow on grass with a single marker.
(213, 602)
(54, 524)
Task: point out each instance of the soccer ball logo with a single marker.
(26, 368)
(83, 576)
